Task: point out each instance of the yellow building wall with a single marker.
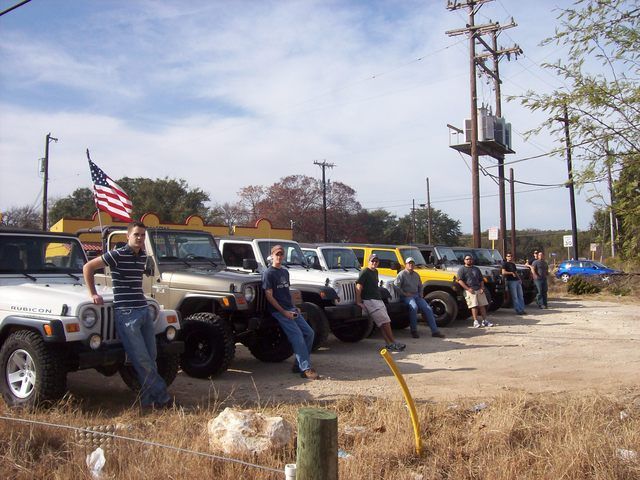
(262, 228)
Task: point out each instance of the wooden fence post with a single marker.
(317, 457)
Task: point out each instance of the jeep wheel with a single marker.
(317, 320)
(269, 343)
(354, 331)
(529, 297)
(167, 369)
(32, 372)
(209, 345)
(444, 307)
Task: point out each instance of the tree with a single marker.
(444, 229)
(250, 198)
(377, 226)
(79, 204)
(602, 90)
(172, 200)
(22, 217)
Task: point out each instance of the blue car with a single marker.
(566, 270)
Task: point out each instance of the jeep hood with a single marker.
(47, 298)
(317, 277)
(200, 278)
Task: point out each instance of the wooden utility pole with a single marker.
(475, 33)
(429, 221)
(324, 165)
(45, 186)
(572, 198)
(317, 452)
(513, 213)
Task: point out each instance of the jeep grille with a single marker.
(260, 302)
(347, 292)
(107, 324)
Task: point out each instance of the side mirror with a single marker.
(149, 269)
(250, 264)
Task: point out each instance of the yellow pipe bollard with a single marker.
(407, 396)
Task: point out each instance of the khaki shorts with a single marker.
(377, 311)
(475, 299)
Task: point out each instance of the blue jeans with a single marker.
(135, 329)
(300, 336)
(517, 297)
(417, 302)
(542, 286)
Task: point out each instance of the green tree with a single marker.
(601, 92)
(444, 229)
(79, 204)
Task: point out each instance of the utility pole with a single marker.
(324, 165)
(572, 199)
(475, 33)
(513, 213)
(413, 222)
(429, 221)
(45, 171)
(612, 217)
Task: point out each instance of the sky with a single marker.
(226, 94)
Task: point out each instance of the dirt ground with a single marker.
(575, 345)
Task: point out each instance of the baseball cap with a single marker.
(373, 256)
(409, 260)
(276, 248)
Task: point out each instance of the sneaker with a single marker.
(487, 323)
(438, 334)
(395, 347)
(310, 374)
(476, 324)
(295, 368)
(415, 334)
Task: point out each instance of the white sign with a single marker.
(593, 247)
(567, 240)
(493, 233)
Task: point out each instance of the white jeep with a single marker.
(49, 326)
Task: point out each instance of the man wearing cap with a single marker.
(369, 299)
(275, 281)
(409, 283)
(470, 278)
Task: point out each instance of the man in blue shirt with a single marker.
(275, 281)
(133, 316)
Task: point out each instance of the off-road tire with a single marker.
(530, 297)
(167, 369)
(37, 368)
(493, 305)
(317, 320)
(354, 331)
(269, 343)
(209, 345)
(444, 306)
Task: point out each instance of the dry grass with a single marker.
(517, 436)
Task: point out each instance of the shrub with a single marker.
(579, 285)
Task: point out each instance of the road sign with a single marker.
(567, 241)
(593, 247)
(493, 233)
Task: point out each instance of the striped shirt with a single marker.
(127, 269)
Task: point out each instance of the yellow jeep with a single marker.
(439, 288)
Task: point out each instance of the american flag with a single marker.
(109, 196)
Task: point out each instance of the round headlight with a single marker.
(95, 341)
(155, 311)
(89, 317)
(171, 334)
(249, 293)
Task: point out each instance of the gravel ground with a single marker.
(575, 345)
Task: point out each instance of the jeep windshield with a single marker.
(415, 253)
(32, 254)
(172, 247)
(446, 256)
(485, 257)
(293, 254)
(495, 254)
(340, 258)
(479, 258)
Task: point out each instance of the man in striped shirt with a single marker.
(133, 316)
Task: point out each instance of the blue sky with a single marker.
(227, 94)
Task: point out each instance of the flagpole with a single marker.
(98, 212)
